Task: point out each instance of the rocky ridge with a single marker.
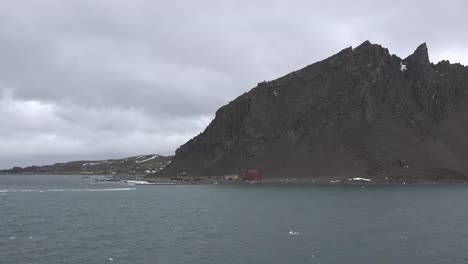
(360, 112)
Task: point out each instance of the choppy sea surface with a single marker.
(69, 219)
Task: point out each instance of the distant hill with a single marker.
(360, 112)
(145, 164)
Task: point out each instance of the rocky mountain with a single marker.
(361, 112)
(145, 164)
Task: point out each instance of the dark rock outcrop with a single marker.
(362, 111)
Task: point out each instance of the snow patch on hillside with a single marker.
(151, 158)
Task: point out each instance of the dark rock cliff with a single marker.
(362, 111)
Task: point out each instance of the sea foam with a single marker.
(4, 191)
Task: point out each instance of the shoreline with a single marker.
(289, 181)
(148, 180)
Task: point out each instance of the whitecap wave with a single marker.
(65, 190)
(293, 233)
(109, 189)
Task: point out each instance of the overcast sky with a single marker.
(105, 79)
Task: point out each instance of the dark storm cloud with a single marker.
(113, 78)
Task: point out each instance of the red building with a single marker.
(252, 175)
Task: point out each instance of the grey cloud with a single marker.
(102, 77)
(36, 128)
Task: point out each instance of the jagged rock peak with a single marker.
(370, 51)
(420, 55)
(367, 45)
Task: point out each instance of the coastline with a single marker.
(141, 179)
(286, 181)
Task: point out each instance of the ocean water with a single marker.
(68, 219)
